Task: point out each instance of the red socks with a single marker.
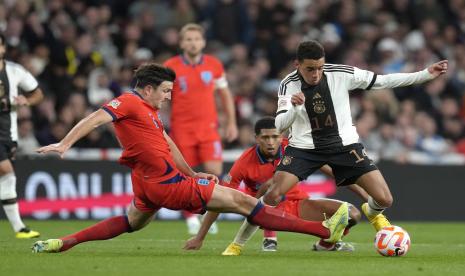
(267, 234)
(103, 230)
(274, 219)
(187, 214)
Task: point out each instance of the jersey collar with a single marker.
(304, 84)
(186, 61)
(136, 93)
(262, 158)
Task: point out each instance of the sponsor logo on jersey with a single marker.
(114, 103)
(282, 103)
(286, 160)
(227, 178)
(206, 77)
(154, 120)
(203, 181)
(319, 107)
(317, 96)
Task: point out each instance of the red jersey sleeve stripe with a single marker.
(110, 112)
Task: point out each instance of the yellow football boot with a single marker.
(337, 223)
(379, 221)
(26, 233)
(233, 249)
(48, 246)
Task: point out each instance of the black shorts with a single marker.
(348, 163)
(8, 150)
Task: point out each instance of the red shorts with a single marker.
(199, 147)
(185, 193)
(202, 152)
(290, 206)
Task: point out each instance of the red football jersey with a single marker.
(140, 131)
(253, 169)
(192, 100)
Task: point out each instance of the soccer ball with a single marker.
(392, 241)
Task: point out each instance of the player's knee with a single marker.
(8, 186)
(272, 198)
(136, 225)
(385, 201)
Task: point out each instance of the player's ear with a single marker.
(296, 64)
(147, 89)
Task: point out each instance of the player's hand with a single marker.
(193, 244)
(438, 68)
(298, 99)
(21, 101)
(231, 132)
(58, 148)
(208, 176)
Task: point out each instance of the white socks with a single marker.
(245, 232)
(8, 196)
(12, 213)
(374, 208)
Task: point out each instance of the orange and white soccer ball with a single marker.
(392, 241)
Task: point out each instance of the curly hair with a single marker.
(153, 74)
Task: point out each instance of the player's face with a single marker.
(269, 141)
(311, 70)
(157, 96)
(192, 43)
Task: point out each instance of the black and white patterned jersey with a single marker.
(325, 120)
(12, 77)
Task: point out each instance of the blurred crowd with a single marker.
(84, 52)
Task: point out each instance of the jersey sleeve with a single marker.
(233, 178)
(119, 108)
(360, 79)
(27, 82)
(219, 75)
(285, 92)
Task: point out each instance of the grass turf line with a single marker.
(437, 248)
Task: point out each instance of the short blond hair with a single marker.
(191, 27)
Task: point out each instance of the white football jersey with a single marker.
(324, 121)
(12, 77)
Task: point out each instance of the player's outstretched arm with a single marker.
(438, 68)
(179, 160)
(181, 163)
(196, 242)
(405, 79)
(30, 99)
(80, 130)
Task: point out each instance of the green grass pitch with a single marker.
(437, 249)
